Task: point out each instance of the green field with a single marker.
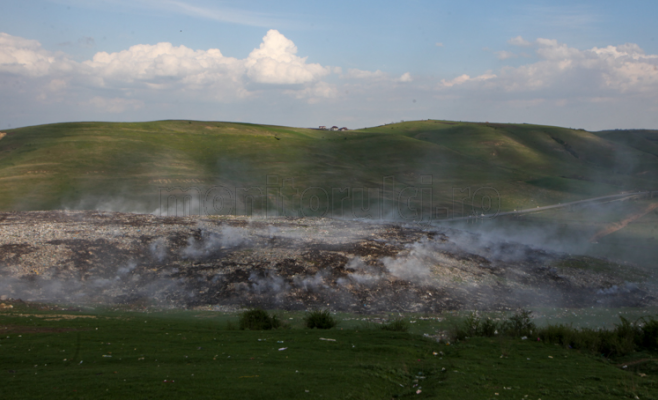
(91, 354)
(122, 166)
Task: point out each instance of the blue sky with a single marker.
(584, 64)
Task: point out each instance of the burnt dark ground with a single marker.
(296, 264)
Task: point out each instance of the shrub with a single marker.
(474, 326)
(320, 320)
(397, 325)
(488, 328)
(648, 337)
(258, 320)
(520, 324)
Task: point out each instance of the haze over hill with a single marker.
(126, 167)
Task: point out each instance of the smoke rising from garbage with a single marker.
(88, 257)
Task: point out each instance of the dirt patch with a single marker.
(612, 228)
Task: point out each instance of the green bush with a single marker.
(488, 328)
(474, 326)
(320, 320)
(258, 320)
(625, 338)
(397, 325)
(648, 337)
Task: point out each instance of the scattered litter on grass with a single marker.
(329, 340)
(248, 376)
(524, 337)
(283, 348)
(106, 356)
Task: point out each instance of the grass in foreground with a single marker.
(85, 355)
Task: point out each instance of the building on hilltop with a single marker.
(322, 128)
(343, 129)
(334, 128)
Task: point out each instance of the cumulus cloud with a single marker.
(26, 57)
(154, 68)
(595, 72)
(519, 41)
(276, 62)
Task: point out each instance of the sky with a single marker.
(579, 64)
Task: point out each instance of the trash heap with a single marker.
(360, 266)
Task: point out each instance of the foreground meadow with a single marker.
(59, 352)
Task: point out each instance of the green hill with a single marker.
(123, 166)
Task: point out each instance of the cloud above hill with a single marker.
(148, 81)
(560, 69)
(163, 66)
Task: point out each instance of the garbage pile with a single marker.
(360, 266)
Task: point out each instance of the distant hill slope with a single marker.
(123, 166)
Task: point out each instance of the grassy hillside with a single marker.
(122, 166)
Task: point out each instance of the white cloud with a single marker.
(462, 79)
(354, 73)
(519, 41)
(161, 79)
(26, 57)
(163, 65)
(276, 62)
(573, 72)
(406, 77)
(504, 55)
(149, 69)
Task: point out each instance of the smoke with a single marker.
(413, 266)
(296, 264)
(212, 242)
(158, 249)
(311, 283)
(270, 284)
(124, 284)
(628, 287)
